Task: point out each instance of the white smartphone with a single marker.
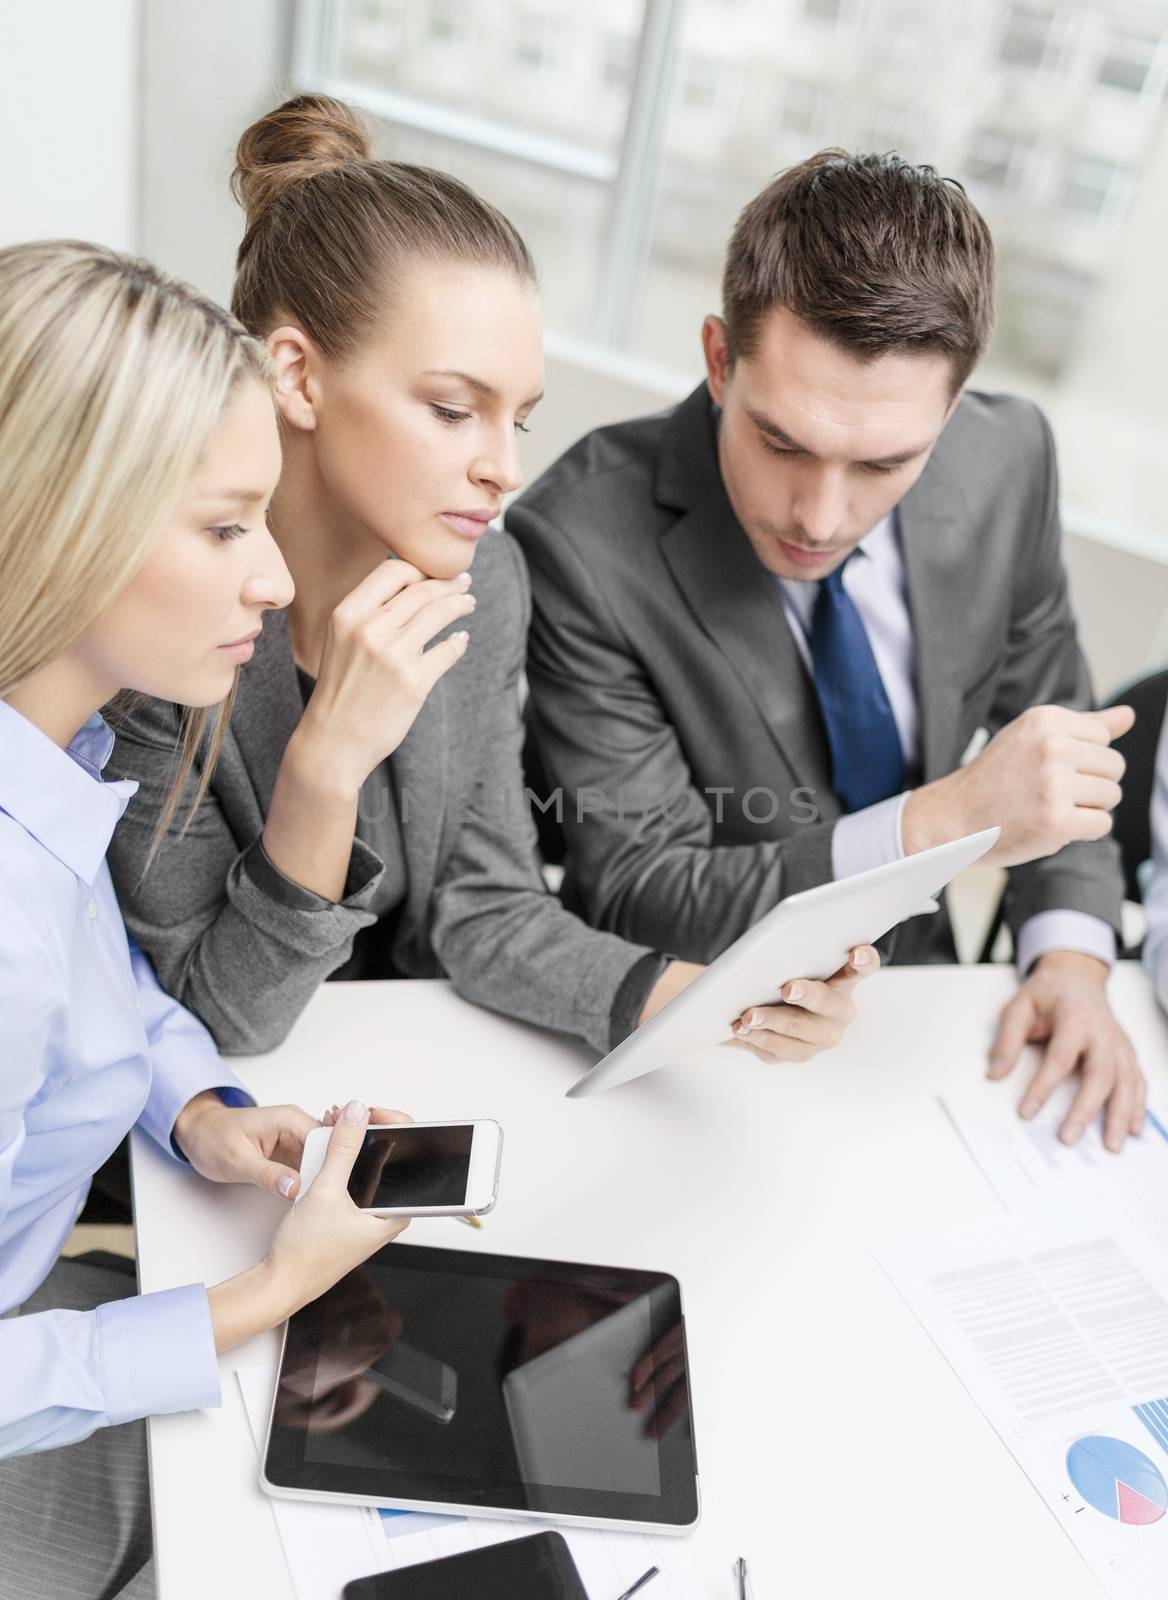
(418, 1169)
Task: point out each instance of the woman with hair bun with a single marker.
(138, 451)
(368, 816)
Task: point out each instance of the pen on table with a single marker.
(742, 1573)
(645, 1578)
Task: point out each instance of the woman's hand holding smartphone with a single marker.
(425, 1169)
(323, 1237)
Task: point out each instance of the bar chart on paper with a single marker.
(1154, 1416)
(1117, 1479)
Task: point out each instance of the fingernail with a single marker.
(472, 602)
(1028, 1108)
(463, 636)
(861, 958)
(463, 580)
(1073, 1134)
(741, 1031)
(795, 992)
(755, 1019)
(286, 1185)
(356, 1111)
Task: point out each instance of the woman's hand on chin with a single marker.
(375, 668)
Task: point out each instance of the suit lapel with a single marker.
(733, 598)
(738, 604)
(936, 561)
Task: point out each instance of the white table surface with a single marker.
(837, 1450)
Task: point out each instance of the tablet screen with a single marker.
(459, 1378)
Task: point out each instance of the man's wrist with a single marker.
(931, 816)
(1074, 962)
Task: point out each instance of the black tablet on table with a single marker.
(486, 1385)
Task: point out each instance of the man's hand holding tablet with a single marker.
(813, 1016)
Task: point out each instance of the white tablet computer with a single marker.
(807, 935)
(553, 1403)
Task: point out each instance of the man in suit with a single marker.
(769, 622)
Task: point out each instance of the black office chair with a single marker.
(1132, 817)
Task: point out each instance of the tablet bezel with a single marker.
(286, 1474)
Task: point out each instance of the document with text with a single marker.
(1059, 1331)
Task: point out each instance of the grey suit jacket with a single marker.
(666, 686)
(476, 909)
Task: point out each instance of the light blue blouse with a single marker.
(89, 1046)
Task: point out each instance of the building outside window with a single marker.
(633, 131)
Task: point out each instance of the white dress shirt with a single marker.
(875, 583)
(91, 1047)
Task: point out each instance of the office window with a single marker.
(375, 28)
(890, 128)
(710, 88)
(616, 61)
(1031, 37)
(997, 160)
(447, 20)
(827, 10)
(625, 136)
(539, 42)
(799, 107)
(1044, 306)
(1094, 189)
(1133, 62)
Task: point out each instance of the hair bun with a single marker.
(309, 134)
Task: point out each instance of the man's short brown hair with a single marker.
(872, 253)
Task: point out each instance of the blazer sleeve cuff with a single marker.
(632, 994)
(296, 917)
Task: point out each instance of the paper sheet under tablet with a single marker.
(327, 1546)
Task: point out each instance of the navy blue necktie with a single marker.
(867, 763)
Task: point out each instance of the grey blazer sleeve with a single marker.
(639, 833)
(238, 944)
(506, 943)
(1045, 666)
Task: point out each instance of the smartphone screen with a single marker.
(401, 1167)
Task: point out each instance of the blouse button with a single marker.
(91, 910)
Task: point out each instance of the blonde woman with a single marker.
(368, 819)
(138, 452)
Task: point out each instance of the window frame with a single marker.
(630, 177)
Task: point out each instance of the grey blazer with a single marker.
(247, 961)
(666, 685)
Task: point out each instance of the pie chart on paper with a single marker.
(1117, 1479)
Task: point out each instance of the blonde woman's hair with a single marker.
(113, 377)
